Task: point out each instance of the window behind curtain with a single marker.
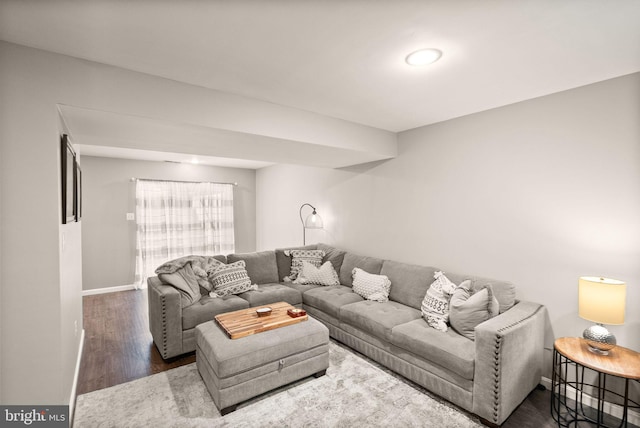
(176, 219)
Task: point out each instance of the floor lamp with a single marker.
(313, 221)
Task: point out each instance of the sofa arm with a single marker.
(165, 317)
(508, 365)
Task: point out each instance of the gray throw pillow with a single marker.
(467, 310)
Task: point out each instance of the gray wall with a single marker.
(40, 256)
(109, 240)
(538, 193)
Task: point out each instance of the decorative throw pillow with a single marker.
(324, 275)
(204, 268)
(298, 256)
(370, 286)
(467, 310)
(435, 306)
(230, 279)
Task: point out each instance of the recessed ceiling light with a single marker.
(423, 57)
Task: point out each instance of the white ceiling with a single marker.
(345, 59)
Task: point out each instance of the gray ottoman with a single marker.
(240, 369)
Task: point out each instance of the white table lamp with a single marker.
(601, 300)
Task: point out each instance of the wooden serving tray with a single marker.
(246, 322)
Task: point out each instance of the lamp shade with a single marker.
(313, 221)
(601, 300)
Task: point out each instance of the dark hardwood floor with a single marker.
(118, 348)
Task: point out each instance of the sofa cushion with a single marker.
(377, 319)
(368, 264)
(283, 261)
(302, 288)
(371, 286)
(410, 282)
(330, 299)
(221, 258)
(272, 293)
(449, 350)
(207, 308)
(333, 255)
(261, 266)
(504, 291)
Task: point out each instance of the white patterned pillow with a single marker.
(230, 279)
(298, 256)
(324, 275)
(370, 286)
(435, 306)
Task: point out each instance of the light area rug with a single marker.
(355, 392)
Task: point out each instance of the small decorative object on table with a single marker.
(295, 312)
(263, 312)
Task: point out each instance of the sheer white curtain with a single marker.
(176, 219)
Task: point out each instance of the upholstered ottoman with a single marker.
(235, 370)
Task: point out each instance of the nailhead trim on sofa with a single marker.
(496, 377)
(164, 326)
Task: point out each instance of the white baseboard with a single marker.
(74, 385)
(609, 408)
(108, 290)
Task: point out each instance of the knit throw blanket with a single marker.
(187, 274)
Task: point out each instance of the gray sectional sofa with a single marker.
(489, 377)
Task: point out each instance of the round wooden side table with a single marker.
(571, 356)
